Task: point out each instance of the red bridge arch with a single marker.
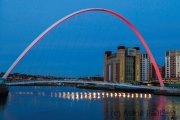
(79, 12)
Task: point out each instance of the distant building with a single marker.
(123, 66)
(152, 72)
(172, 64)
(97, 78)
(145, 67)
(162, 71)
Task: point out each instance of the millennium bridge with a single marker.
(85, 82)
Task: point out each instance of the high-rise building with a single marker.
(152, 72)
(172, 64)
(123, 66)
(145, 67)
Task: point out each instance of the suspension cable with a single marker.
(92, 43)
(83, 44)
(73, 47)
(58, 47)
(66, 43)
(100, 47)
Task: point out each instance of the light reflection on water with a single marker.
(44, 102)
(84, 95)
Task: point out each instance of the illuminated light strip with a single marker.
(78, 95)
(76, 13)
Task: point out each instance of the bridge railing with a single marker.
(10, 81)
(87, 81)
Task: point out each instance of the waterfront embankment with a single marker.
(3, 90)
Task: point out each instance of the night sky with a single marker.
(76, 47)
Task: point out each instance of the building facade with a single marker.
(145, 67)
(97, 78)
(123, 66)
(152, 72)
(172, 64)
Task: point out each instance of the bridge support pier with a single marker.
(3, 87)
(162, 88)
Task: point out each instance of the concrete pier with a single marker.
(167, 92)
(3, 87)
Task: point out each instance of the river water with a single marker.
(70, 103)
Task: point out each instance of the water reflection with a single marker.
(73, 103)
(3, 101)
(143, 107)
(84, 95)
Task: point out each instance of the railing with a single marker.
(14, 81)
(86, 81)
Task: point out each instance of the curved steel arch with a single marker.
(78, 12)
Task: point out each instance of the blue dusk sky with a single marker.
(76, 47)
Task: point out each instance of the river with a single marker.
(70, 103)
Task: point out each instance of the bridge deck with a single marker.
(82, 82)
